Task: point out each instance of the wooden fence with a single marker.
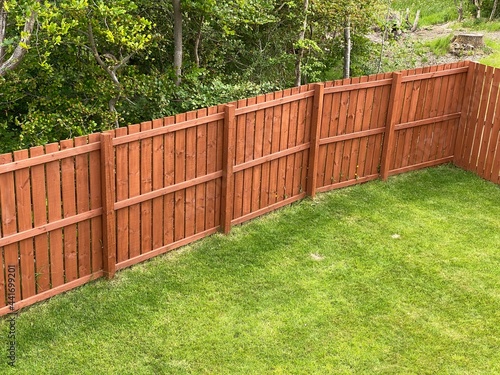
(85, 208)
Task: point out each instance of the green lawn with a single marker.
(400, 277)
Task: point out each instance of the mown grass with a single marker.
(381, 278)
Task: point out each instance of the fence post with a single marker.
(394, 102)
(464, 113)
(319, 93)
(227, 168)
(108, 201)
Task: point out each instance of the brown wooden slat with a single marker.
(190, 209)
(69, 210)
(394, 102)
(258, 150)
(169, 128)
(109, 244)
(49, 227)
(146, 207)
(39, 197)
(249, 146)
(24, 222)
(53, 176)
(239, 157)
(47, 158)
(365, 126)
(328, 127)
(277, 102)
(465, 114)
(435, 73)
(201, 170)
(83, 205)
(157, 183)
(169, 160)
(358, 86)
(315, 135)
(96, 203)
(134, 190)
(478, 134)
(180, 176)
(122, 193)
(266, 150)
(9, 227)
(211, 194)
(298, 186)
(228, 147)
(488, 125)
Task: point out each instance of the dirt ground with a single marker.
(424, 34)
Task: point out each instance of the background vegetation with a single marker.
(84, 66)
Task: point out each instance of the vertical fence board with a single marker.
(134, 190)
(239, 158)
(249, 142)
(146, 208)
(190, 209)
(275, 147)
(315, 129)
(283, 144)
(211, 168)
(266, 150)
(299, 157)
(24, 222)
(157, 183)
(392, 114)
(39, 196)
(54, 214)
(95, 203)
(201, 170)
(180, 176)
(83, 205)
(9, 225)
(109, 253)
(169, 159)
(227, 168)
(368, 119)
(69, 210)
(257, 170)
(122, 193)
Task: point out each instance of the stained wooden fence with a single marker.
(478, 142)
(85, 208)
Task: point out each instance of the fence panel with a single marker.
(171, 181)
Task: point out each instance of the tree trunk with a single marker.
(197, 43)
(460, 9)
(494, 10)
(347, 48)
(300, 55)
(478, 4)
(177, 41)
(3, 25)
(21, 49)
(415, 23)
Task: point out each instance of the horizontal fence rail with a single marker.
(82, 209)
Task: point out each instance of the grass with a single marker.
(439, 46)
(381, 278)
(431, 12)
(492, 59)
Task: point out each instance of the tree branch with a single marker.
(21, 48)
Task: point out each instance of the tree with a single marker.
(177, 40)
(493, 10)
(24, 36)
(478, 4)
